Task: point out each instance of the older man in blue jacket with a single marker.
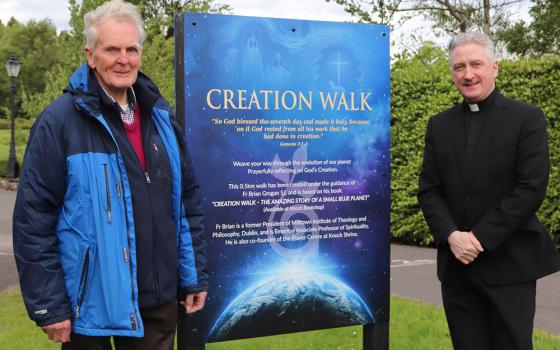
(108, 225)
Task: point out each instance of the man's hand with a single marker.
(59, 332)
(464, 246)
(194, 302)
(476, 242)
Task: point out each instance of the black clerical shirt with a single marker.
(474, 125)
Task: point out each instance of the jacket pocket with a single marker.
(82, 286)
(107, 191)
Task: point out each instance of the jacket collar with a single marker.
(88, 95)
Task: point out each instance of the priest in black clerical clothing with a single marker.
(483, 177)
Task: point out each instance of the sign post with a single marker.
(287, 122)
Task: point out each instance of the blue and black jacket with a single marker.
(95, 237)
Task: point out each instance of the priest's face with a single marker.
(474, 73)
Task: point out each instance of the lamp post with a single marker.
(13, 66)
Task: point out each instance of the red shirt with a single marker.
(134, 133)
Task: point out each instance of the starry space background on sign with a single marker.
(299, 284)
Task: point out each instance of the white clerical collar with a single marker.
(474, 107)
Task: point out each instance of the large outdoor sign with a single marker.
(287, 122)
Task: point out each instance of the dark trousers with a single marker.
(489, 317)
(159, 333)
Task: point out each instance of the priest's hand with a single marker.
(464, 246)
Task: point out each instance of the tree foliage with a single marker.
(70, 56)
(34, 44)
(448, 16)
(159, 14)
(539, 37)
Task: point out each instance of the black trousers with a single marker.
(490, 317)
(159, 332)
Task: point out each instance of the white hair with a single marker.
(114, 9)
(473, 37)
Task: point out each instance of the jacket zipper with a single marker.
(108, 193)
(154, 225)
(154, 238)
(126, 258)
(125, 250)
(148, 156)
(83, 283)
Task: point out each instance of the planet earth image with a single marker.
(291, 303)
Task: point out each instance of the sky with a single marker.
(57, 11)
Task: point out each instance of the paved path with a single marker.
(7, 200)
(8, 272)
(413, 273)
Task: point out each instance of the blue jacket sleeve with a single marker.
(194, 215)
(40, 195)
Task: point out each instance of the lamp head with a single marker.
(13, 66)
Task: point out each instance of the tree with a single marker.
(35, 46)
(450, 16)
(159, 14)
(70, 56)
(541, 36)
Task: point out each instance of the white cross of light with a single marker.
(338, 64)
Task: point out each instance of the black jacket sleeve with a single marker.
(430, 193)
(192, 199)
(528, 192)
(40, 194)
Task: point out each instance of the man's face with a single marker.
(474, 73)
(117, 56)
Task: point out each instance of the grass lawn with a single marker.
(20, 142)
(414, 326)
(21, 134)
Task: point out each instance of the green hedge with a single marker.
(421, 89)
(21, 123)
